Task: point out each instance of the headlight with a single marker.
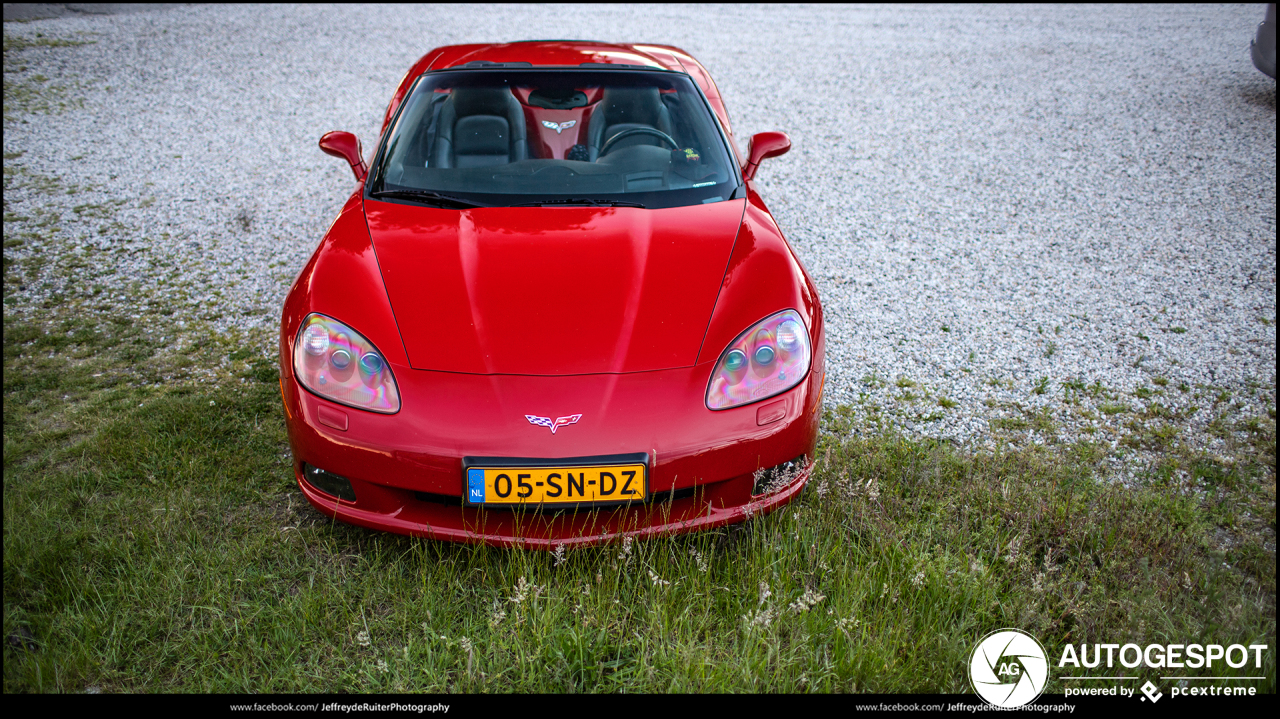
(769, 358)
(338, 363)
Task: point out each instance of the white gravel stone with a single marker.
(985, 196)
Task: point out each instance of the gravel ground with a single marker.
(1002, 207)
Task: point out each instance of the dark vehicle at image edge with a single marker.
(1263, 46)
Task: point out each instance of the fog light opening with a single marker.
(331, 484)
(771, 479)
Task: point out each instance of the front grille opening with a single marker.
(770, 480)
(447, 500)
(328, 482)
(669, 496)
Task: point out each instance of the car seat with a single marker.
(480, 127)
(625, 108)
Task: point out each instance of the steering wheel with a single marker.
(604, 149)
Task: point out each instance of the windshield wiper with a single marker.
(592, 202)
(435, 198)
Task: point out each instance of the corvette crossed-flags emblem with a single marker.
(553, 425)
(558, 128)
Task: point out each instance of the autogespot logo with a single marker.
(1008, 668)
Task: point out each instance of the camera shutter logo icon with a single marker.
(1009, 668)
(1152, 691)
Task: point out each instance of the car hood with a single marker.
(552, 290)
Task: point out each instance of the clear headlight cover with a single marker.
(338, 363)
(769, 358)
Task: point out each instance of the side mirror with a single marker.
(764, 145)
(346, 146)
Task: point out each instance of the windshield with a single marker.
(514, 137)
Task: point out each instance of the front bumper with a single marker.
(407, 475)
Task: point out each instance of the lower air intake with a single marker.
(770, 480)
(328, 482)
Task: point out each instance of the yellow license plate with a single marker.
(552, 486)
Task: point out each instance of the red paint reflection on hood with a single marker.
(552, 290)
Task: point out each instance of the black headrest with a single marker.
(557, 98)
(640, 105)
(480, 101)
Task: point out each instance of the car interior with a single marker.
(555, 133)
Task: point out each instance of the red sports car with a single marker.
(555, 311)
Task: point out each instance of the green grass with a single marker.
(35, 94)
(154, 541)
